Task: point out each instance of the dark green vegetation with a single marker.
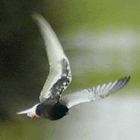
(100, 38)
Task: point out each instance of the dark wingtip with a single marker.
(127, 79)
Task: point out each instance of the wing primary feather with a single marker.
(107, 87)
(93, 93)
(119, 86)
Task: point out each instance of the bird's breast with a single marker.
(52, 111)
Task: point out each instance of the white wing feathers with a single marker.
(91, 94)
(59, 64)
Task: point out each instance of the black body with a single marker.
(52, 110)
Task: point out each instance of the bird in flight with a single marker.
(52, 104)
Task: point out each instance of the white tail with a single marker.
(29, 112)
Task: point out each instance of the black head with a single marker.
(58, 111)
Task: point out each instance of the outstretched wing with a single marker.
(91, 94)
(60, 74)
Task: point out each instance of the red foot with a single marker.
(34, 116)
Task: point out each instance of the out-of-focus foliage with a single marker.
(100, 38)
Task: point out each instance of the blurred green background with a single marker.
(101, 40)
